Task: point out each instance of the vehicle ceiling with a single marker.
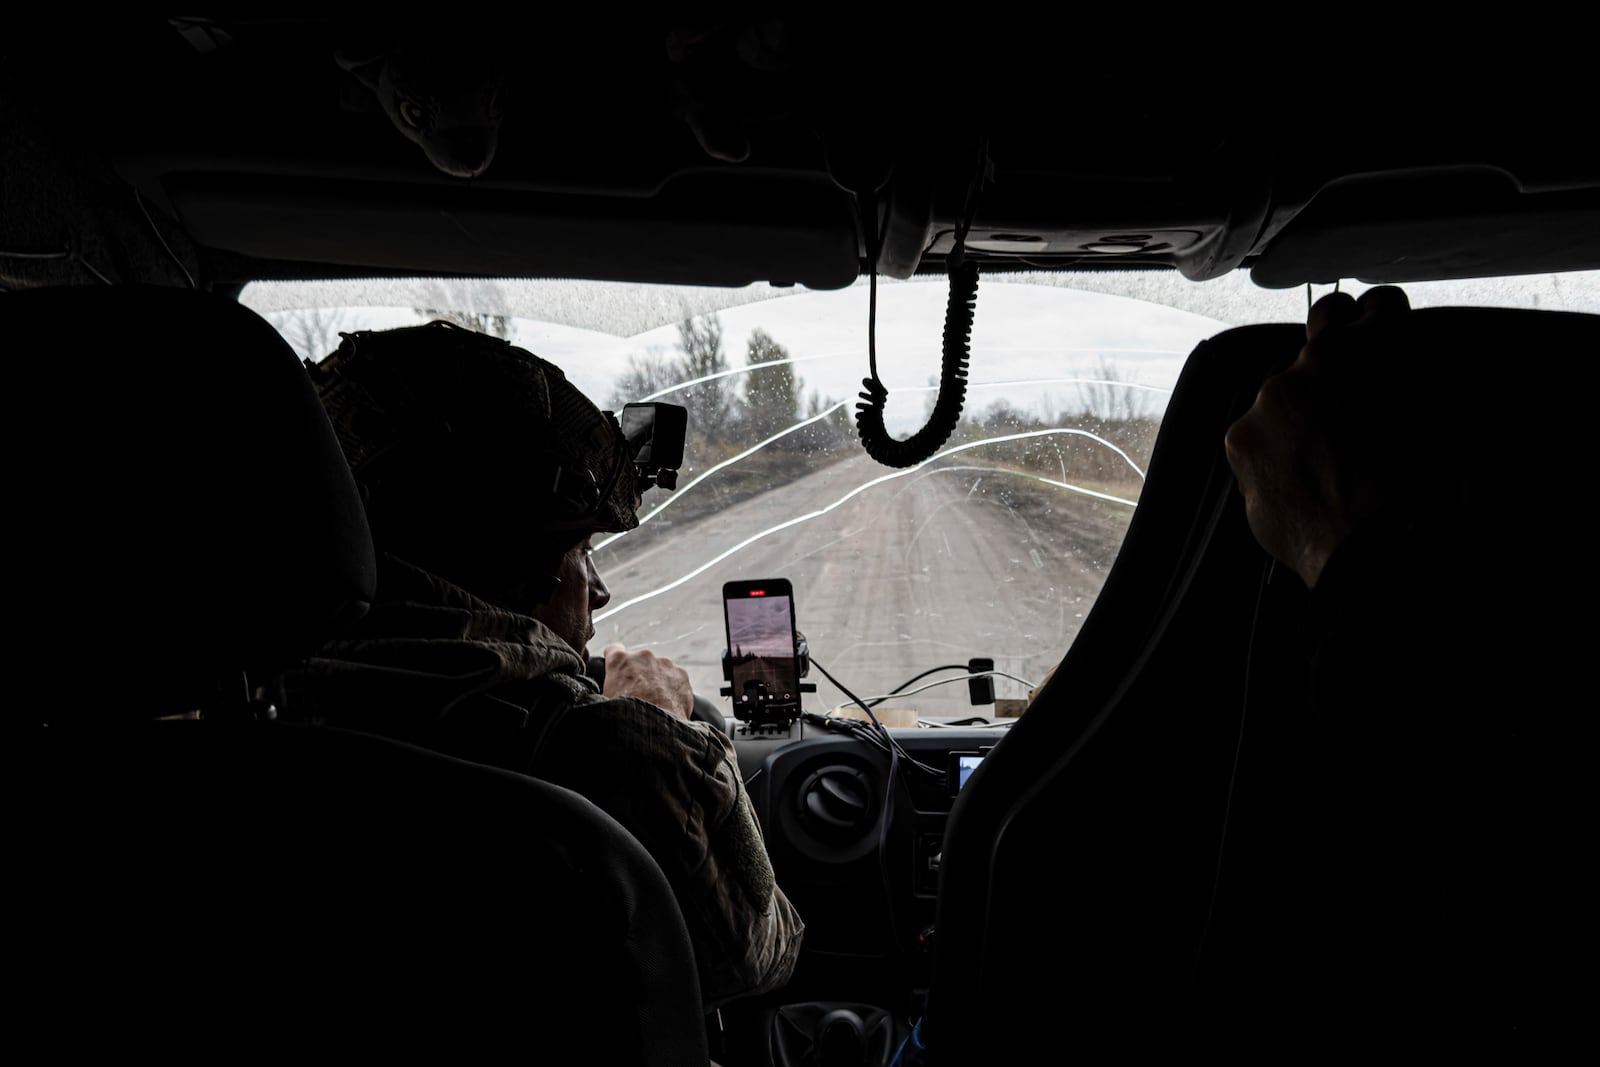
(251, 153)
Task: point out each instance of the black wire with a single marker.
(931, 670)
(880, 735)
(969, 206)
(870, 428)
(946, 414)
(869, 210)
(864, 731)
(872, 323)
(968, 210)
(917, 678)
(856, 728)
(887, 817)
(853, 698)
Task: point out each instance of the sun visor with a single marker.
(1432, 225)
(699, 229)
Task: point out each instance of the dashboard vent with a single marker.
(836, 803)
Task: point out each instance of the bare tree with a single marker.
(646, 375)
(771, 394)
(711, 403)
(829, 434)
(1113, 397)
(312, 332)
(1002, 416)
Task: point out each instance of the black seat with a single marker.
(1140, 863)
(230, 885)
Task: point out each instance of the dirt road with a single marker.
(918, 570)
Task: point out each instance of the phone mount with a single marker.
(771, 709)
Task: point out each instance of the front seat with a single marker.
(185, 525)
(1158, 845)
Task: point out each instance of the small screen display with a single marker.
(960, 768)
(965, 765)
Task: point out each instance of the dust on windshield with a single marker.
(994, 548)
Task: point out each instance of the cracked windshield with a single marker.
(994, 548)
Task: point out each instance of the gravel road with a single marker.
(919, 570)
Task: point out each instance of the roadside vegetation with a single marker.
(1110, 427)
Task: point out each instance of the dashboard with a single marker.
(855, 831)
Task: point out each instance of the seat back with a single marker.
(1135, 864)
(233, 885)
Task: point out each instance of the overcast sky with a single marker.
(1032, 335)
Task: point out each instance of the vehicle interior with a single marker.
(1103, 830)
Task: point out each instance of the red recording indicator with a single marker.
(758, 592)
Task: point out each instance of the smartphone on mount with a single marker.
(763, 656)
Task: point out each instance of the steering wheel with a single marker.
(705, 710)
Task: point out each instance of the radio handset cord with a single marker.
(958, 316)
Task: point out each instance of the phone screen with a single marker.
(763, 666)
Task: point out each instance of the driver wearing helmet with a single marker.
(485, 474)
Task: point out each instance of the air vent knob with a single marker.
(836, 801)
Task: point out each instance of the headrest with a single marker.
(184, 517)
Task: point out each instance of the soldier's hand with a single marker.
(646, 676)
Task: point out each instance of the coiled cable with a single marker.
(946, 412)
(958, 316)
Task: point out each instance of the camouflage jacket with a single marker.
(433, 665)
